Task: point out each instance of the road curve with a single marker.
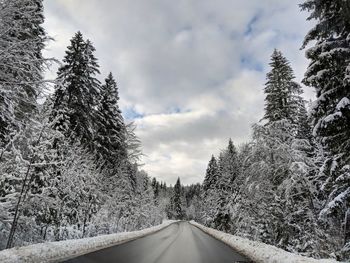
(178, 243)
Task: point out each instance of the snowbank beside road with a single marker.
(259, 252)
(63, 250)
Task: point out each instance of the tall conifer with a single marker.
(77, 91)
(283, 98)
(179, 213)
(110, 141)
(211, 175)
(328, 73)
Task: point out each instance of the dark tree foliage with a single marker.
(329, 74)
(282, 99)
(211, 175)
(110, 139)
(77, 91)
(178, 209)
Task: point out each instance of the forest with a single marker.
(70, 162)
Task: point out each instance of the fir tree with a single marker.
(77, 91)
(211, 175)
(231, 166)
(110, 141)
(228, 172)
(328, 73)
(304, 127)
(177, 201)
(282, 93)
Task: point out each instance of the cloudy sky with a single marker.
(190, 72)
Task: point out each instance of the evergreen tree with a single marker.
(154, 183)
(77, 91)
(211, 175)
(228, 172)
(209, 194)
(50, 185)
(156, 190)
(328, 73)
(304, 127)
(231, 166)
(277, 170)
(179, 213)
(110, 141)
(282, 93)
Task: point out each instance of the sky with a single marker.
(190, 73)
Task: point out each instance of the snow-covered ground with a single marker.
(259, 252)
(63, 250)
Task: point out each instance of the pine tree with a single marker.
(77, 91)
(282, 93)
(209, 194)
(228, 172)
(277, 169)
(110, 141)
(304, 127)
(328, 73)
(231, 166)
(211, 175)
(177, 201)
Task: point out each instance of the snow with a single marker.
(259, 252)
(64, 250)
(343, 103)
(337, 201)
(332, 117)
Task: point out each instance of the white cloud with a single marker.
(194, 69)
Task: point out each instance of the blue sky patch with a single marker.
(132, 114)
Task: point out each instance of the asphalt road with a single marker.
(178, 243)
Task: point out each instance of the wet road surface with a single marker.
(178, 243)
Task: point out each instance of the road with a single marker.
(178, 243)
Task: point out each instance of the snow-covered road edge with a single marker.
(64, 250)
(259, 252)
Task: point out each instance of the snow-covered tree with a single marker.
(133, 143)
(110, 139)
(328, 73)
(277, 196)
(22, 39)
(209, 194)
(52, 186)
(282, 92)
(177, 201)
(304, 124)
(228, 170)
(211, 175)
(24, 185)
(77, 91)
(229, 163)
